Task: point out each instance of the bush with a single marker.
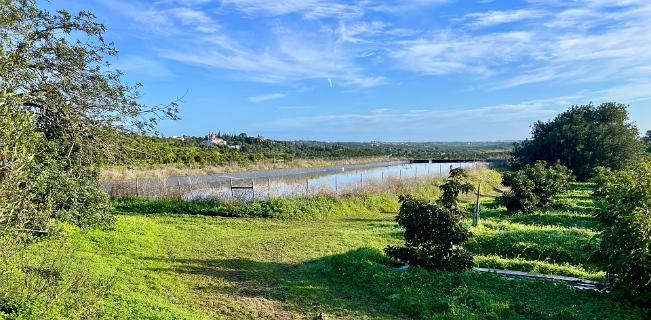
(534, 186)
(433, 231)
(625, 217)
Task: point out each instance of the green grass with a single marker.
(201, 266)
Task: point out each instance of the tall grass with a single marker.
(173, 170)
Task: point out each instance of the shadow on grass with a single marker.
(364, 283)
(300, 288)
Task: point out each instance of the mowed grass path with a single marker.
(194, 267)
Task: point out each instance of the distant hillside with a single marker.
(222, 148)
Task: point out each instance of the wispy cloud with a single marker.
(143, 67)
(493, 18)
(420, 122)
(355, 44)
(266, 97)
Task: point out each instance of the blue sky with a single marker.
(418, 70)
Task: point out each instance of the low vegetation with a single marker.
(534, 186)
(183, 264)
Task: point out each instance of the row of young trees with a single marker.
(598, 143)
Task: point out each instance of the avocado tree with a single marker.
(434, 234)
(624, 215)
(534, 186)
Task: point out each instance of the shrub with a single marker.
(624, 213)
(433, 231)
(534, 186)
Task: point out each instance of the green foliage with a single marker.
(433, 231)
(534, 186)
(647, 140)
(625, 217)
(455, 185)
(61, 108)
(583, 138)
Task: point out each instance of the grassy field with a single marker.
(200, 266)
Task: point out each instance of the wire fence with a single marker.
(250, 186)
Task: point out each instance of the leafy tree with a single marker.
(624, 213)
(534, 186)
(62, 108)
(647, 140)
(433, 231)
(583, 138)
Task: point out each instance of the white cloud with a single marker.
(420, 117)
(492, 18)
(309, 9)
(449, 53)
(354, 44)
(266, 97)
(142, 66)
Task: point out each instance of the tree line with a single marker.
(138, 149)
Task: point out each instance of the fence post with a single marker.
(253, 190)
(382, 176)
(416, 174)
(178, 183)
(400, 173)
(440, 169)
(475, 217)
(307, 187)
(361, 180)
(269, 188)
(137, 188)
(336, 186)
(232, 195)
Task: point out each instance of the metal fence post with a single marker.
(336, 186)
(475, 217)
(137, 188)
(269, 188)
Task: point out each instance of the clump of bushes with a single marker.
(433, 231)
(624, 213)
(534, 186)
